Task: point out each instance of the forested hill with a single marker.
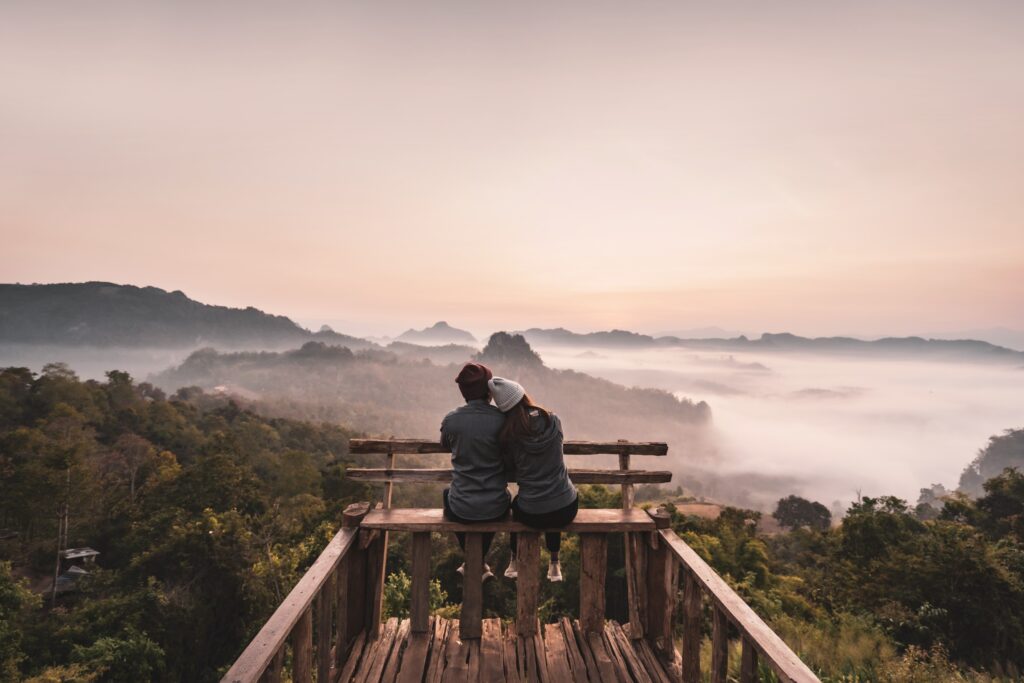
(961, 350)
(384, 393)
(104, 314)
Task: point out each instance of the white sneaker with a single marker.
(512, 571)
(488, 574)
(554, 572)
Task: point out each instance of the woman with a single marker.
(531, 440)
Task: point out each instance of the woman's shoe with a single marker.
(512, 571)
(554, 572)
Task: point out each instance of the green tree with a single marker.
(795, 512)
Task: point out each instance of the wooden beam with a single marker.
(661, 599)
(432, 519)
(325, 622)
(748, 663)
(691, 628)
(593, 569)
(719, 647)
(444, 475)
(472, 612)
(419, 609)
(783, 661)
(404, 446)
(527, 583)
(302, 649)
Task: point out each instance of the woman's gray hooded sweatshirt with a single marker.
(544, 484)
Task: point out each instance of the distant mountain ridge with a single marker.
(908, 347)
(105, 314)
(439, 333)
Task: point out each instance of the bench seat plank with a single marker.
(432, 519)
(578, 476)
(569, 447)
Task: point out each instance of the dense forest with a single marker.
(205, 514)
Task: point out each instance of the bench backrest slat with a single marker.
(410, 446)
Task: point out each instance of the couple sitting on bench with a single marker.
(490, 442)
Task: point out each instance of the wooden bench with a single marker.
(598, 521)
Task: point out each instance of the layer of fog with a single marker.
(92, 362)
(821, 427)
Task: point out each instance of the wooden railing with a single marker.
(336, 606)
(331, 595)
(668, 554)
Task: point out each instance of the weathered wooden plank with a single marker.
(651, 662)
(394, 660)
(417, 651)
(748, 662)
(256, 657)
(376, 557)
(555, 653)
(456, 654)
(636, 667)
(419, 600)
(605, 666)
(776, 653)
(578, 476)
(383, 651)
(538, 647)
(352, 602)
(527, 583)
(402, 446)
(719, 647)
(691, 628)
(432, 519)
(302, 648)
(593, 568)
(572, 649)
(435, 669)
(491, 665)
(472, 588)
(354, 658)
(510, 657)
(325, 624)
(618, 661)
(473, 672)
(593, 673)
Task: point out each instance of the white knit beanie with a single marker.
(506, 393)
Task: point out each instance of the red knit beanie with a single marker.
(472, 381)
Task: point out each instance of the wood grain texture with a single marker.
(257, 656)
(432, 519)
(472, 588)
(325, 624)
(593, 570)
(419, 600)
(661, 596)
(527, 583)
(691, 628)
(302, 648)
(414, 659)
(748, 663)
(491, 665)
(719, 647)
(444, 474)
(401, 446)
(782, 660)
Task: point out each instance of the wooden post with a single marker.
(273, 672)
(691, 628)
(748, 666)
(325, 622)
(470, 623)
(419, 604)
(376, 556)
(661, 598)
(719, 647)
(527, 583)
(633, 562)
(593, 567)
(351, 587)
(302, 649)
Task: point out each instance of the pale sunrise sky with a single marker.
(818, 167)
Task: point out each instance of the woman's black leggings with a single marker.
(547, 520)
(460, 537)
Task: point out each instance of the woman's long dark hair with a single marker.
(517, 421)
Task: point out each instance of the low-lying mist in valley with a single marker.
(819, 426)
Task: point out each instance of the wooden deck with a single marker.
(563, 653)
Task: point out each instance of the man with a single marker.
(479, 490)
